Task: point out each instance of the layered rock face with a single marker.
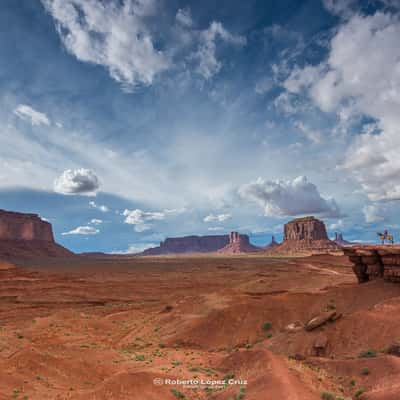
(238, 244)
(305, 229)
(19, 226)
(308, 235)
(189, 244)
(26, 235)
(372, 262)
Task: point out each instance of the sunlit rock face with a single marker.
(305, 235)
(25, 236)
(19, 226)
(375, 261)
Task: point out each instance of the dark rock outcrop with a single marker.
(340, 241)
(272, 244)
(239, 244)
(189, 244)
(375, 261)
(306, 235)
(27, 235)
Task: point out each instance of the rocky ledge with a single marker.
(375, 261)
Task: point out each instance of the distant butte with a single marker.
(239, 244)
(305, 235)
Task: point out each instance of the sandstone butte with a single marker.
(27, 235)
(306, 235)
(239, 244)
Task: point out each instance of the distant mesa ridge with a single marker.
(189, 244)
(231, 243)
(24, 235)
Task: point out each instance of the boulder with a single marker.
(320, 344)
(320, 320)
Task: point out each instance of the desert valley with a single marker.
(290, 321)
(199, 200)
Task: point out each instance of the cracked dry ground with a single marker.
(104, 329)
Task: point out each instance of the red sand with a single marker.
(105, 329)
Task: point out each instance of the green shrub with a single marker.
(367, 354)
(358, 394)
(267, 326)
(327, 396)
(178, 394)
(365, 371)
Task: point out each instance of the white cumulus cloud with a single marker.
(217, 218)
(140, 218)
(209, 65)
(96, 221)
(77, 181)
(184, 17)
(101, 207)
(112, 34)
(361, 76)
(82, 230)
(372, 213)
(27, 113)
(289, 198)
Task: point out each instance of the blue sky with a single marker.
(124, 122)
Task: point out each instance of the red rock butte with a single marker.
(306, 234)
(19, 226)
(27, 235)
(239, 244)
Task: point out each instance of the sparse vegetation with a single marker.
(239, 396)
(139, 357)
(327, 396)
(367, 354)
(365, 371)
(267, 326)
(178, 394)
(358, 393)
(228, 376)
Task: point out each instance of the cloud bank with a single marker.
(289, 198)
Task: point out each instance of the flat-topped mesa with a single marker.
(19, 226)
(305, 235)
(27, 235)
(238, 243)
(189, 244)
(375, 261)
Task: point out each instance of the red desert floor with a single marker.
(113, 329)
